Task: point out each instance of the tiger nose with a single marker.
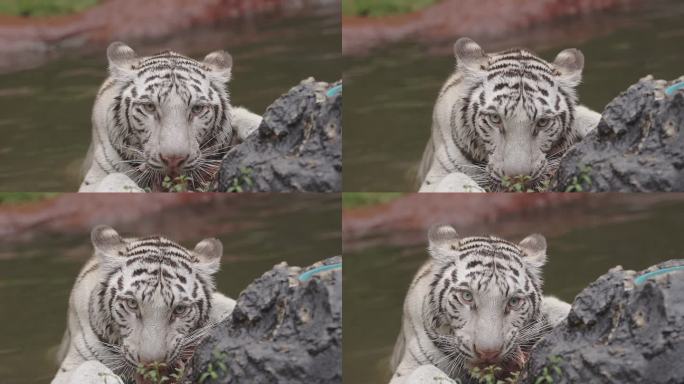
(173, 162)
(488, 355)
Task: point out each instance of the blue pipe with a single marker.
(642, 279)
(673, 88)
(323, 268)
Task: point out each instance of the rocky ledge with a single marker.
(626, 327)
(286, 328)
(637, 147)
(297, 147)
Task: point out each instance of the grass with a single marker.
(582, 181)
(519, 184)
(24, 197)
(154, 374)
(360, 199)
(178, 184)
(43, 7)
(377, 8)
(216, 367)
(491, 374)
(241, 181)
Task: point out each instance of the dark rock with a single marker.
(282, 330)
(298, 146)
(618, 332)
(638, 145)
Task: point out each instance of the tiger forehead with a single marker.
(169, 60)
(488, 246)
(520, 58)
(159, 246)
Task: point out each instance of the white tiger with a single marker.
(162, 115)
(477, 302)
(502, 116)
(139, 301)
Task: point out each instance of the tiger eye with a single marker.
(466, 296)
(514, 302)
(496, 119)
(150, 107)
(542, 123)
(198, 109)
(132, 303)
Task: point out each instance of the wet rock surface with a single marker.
(283, 330)
(637, 147)
(297, 147)
(619, 332)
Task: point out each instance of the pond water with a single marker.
(36, 278)
(391, 92)
(634, 235)
(45, 112)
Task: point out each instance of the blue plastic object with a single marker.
(642, 279)
(323, 268)
(334, 90)
(674, 88)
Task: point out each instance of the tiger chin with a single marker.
(476, 303)
(502, 118)
(162, 117)
(139, 302)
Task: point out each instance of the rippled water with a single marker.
(390, 94)
(45, 112)
(36, 278)
(376, 277)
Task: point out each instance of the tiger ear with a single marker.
(471, 59)
(443, 241)
(209, 252)
(569, 64)
(534, 249)
(121, 59)
(220, 63)
(109, 246)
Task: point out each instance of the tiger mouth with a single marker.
(504, 368)
(194, 177)
(154, 372)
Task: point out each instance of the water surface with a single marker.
(391, 92)
(45, 112)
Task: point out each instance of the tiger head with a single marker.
(484, 301)
(172, 113)
(154, 298)
(518, 114)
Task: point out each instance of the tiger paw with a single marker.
(453, 182)
(94, 372)
(117, 182)
(428, 374)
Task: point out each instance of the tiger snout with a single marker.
(174, 162)
(488, 355)
(523, 169)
